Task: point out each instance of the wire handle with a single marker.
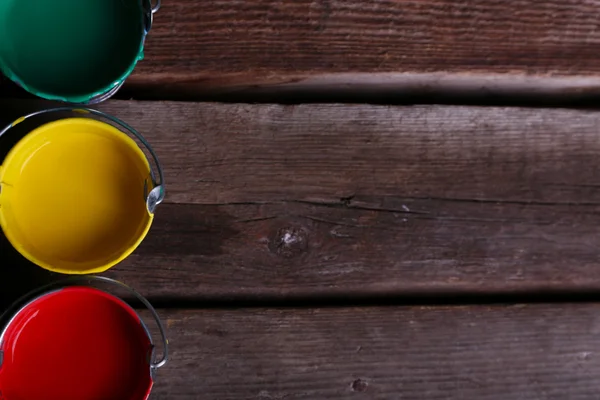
(151, 7)
(155, 195)
(154, 364)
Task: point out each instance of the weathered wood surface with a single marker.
(317, 201)
(493, 353)
(417, 46)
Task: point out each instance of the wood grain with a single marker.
(200, 47)
(371, 156)
(311, 201)
(309, 252)
(493, 353)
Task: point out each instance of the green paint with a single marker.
(70, 50)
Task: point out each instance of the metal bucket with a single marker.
(73, 51)
(72, 340)
(78, 195)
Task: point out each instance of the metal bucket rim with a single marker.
(153, 189)
(87, 281)
(116, 299)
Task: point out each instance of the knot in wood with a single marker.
(359, 385)
(289, 242)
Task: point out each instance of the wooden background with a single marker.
(374, 48)
(314, 245)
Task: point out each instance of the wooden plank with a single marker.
(369, 156)
(329, 200)
(493, 353)
(199, 47)
(297, 251)
(311, 201)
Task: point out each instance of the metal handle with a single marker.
(156, 195)
(154, 364)
(151, 7)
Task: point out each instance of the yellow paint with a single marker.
(72, 198)
(18, 121)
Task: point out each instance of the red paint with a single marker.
(77, 343)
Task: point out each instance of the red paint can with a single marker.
(78, 342)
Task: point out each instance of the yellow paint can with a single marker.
(78, 194)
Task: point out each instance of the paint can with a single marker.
(70, 50)
(78, 194)
(73, 340)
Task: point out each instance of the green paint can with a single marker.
(76, 51)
